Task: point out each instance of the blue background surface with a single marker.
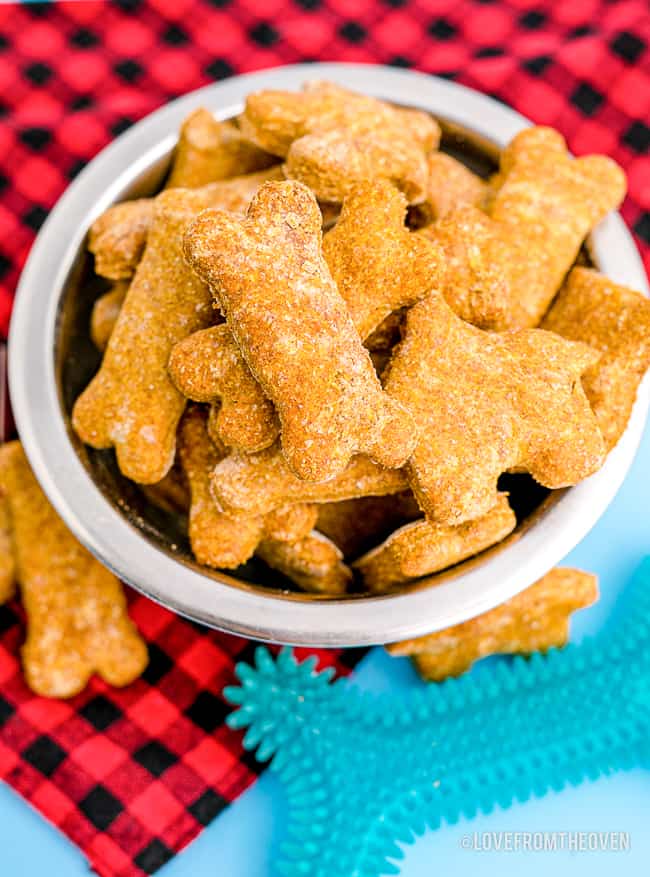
(241, 842)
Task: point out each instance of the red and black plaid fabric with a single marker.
(131, 776)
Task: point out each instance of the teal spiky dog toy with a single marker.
(363, 771)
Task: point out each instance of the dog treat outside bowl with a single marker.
(52, 357)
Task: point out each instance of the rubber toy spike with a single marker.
(363, 772)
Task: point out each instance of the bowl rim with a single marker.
(167, 580)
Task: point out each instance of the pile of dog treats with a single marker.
(327, 340)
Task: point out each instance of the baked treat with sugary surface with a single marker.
(615, 321)
(378, 265)
(269, 278)
(423, 548)
(77, 623)
(207, 366)
(502, 271)
(218, 539)
(334, 139)
(486, 403)
(259, 483)
(313, 563)
(535, 620)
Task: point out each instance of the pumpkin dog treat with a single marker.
(615, 321)
(77, 622)
(296, 334)
(105, 313)
(218, 539)
(131, 403)
(486, 403)
(209, 150)
(355, 525)
(334, 139)
(451, 185)
(378, 265)
(502, 271)
(422, 548)
(314, 563)
(207, 366)
(259, 483)
(535, 620)
(118, 236)
(549, 202)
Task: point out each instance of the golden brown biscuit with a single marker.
(77, 623)
(208, 150)
(356, 525)
(314, 563)
(502, 271)
(486, 403)
(537, 619)
(217, 539)
(378, 265)
(615, 321)
(208, 366)
(334, 139)
(423, 548)
(131, 403)
(451, 185)
(118, 236)
(259, 483)
(105, 313)
(268, 275)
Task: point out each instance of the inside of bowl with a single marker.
(77, 360)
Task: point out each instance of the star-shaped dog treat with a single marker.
(486, 403)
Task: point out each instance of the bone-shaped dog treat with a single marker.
(549, 202)
(131, 403)
(486, 403)
(615, 321)
(537, 619)
(118, 236)
(335, 139)
(260, 483)
(502, 271)
(356, 525)
(105, 312)
(422, 548)
(208, 366)
(268, 276)
(218, 539)
(209, 150)
(314, 563)
(77, 622)
(451, 185)
(378, 265)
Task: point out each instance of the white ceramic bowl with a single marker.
(135, 163)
